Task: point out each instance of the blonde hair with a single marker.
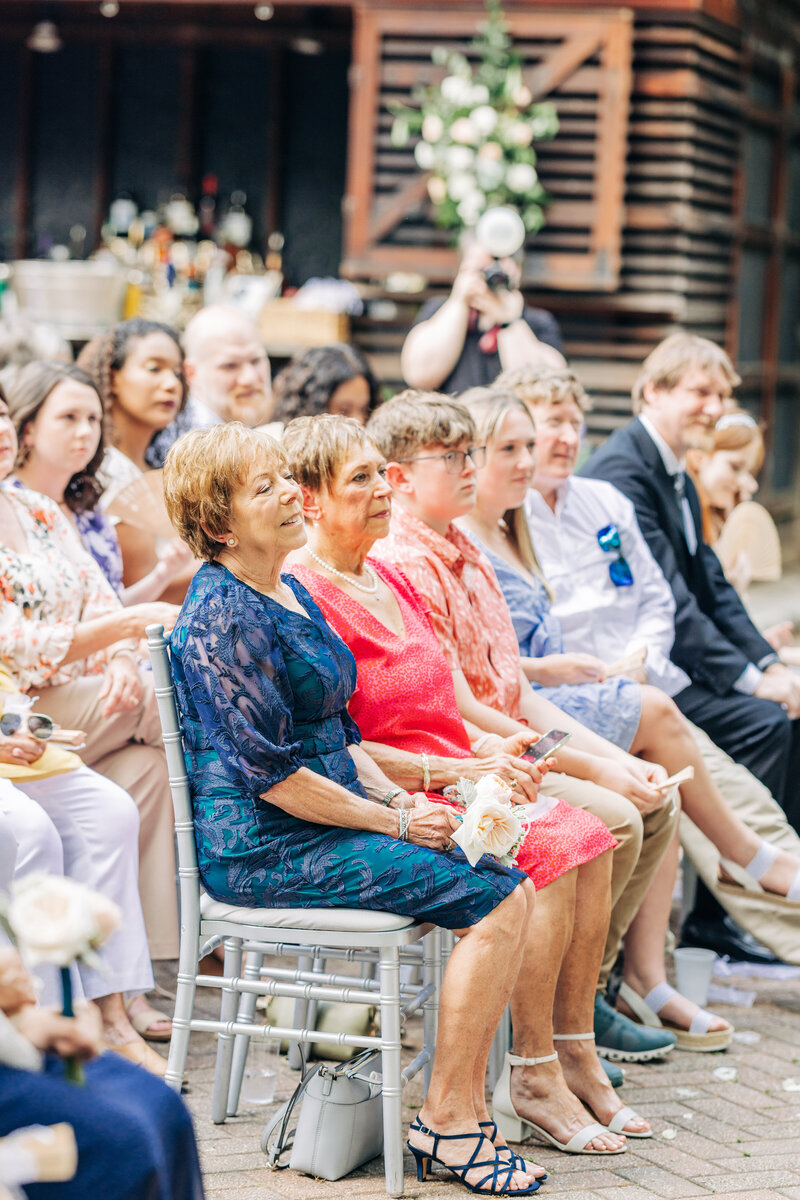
(412, 420)
(203, 472)
(666, 366)
(317, 446)
(489, 406)
(534, 386)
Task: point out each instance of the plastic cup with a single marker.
(261, 1072)
(693, 968)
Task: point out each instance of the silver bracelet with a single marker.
(426, 772)
(390, 795)
(403, 823)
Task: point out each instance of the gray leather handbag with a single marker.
(340, 1124)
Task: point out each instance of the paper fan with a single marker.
(141, 504)
(751, 530)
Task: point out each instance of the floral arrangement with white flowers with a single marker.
(57, 920)
(491, 824)
(477, 130)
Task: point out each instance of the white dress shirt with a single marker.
(676, 469)
(596, 616)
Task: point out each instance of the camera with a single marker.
(501, 233)
(497, 279)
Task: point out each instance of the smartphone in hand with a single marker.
(547, 745)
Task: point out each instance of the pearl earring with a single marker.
(231, 541)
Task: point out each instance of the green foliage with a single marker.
(475, 131)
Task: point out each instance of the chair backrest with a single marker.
(173, 744)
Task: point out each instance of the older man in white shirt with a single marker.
(611, 599)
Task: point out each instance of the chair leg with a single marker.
(184, 1006)
(390, 1058)
(241, 1043)
(294, 1060)
(431, 973)
(227, 1012)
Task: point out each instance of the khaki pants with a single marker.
(127, 748)
(778, 928)
(642, 838)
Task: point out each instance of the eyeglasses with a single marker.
(36, 724)
(608, 540)
(455, 460)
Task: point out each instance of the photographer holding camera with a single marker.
(482, 328)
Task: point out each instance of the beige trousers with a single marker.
(127, 748)
(642, 838)
(778, 928)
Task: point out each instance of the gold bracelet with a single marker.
(426, 772)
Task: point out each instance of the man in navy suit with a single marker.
(740, 694)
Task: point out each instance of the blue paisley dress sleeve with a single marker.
(230, 663)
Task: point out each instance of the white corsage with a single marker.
(58, 920)
(491, 823)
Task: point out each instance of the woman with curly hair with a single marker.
(58, 417)
(333, 379)
(137, 368)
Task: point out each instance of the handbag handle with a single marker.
(280, 1121)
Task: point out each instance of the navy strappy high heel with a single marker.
(499, 1173)
(519, 1163)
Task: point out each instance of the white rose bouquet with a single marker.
(491, 823)
(476, 131)
(56, 920)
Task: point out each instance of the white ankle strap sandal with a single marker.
(751, 875)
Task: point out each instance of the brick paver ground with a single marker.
(737, 1139)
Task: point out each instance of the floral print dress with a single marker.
(46, 591)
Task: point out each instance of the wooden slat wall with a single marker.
(580, 61)
(680, 177)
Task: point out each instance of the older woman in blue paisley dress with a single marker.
(288, 806)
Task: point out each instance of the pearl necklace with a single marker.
(370, 591)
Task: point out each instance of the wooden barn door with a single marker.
(580, 61)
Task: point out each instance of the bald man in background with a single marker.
(228, 374)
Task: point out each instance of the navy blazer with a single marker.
(714, 637)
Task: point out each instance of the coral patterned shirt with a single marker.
(465, 604)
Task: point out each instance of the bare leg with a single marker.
(574, 1002)
(664, 736)
(540, 1093)
(474, 993)
(644, 944)
(117, 1029)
